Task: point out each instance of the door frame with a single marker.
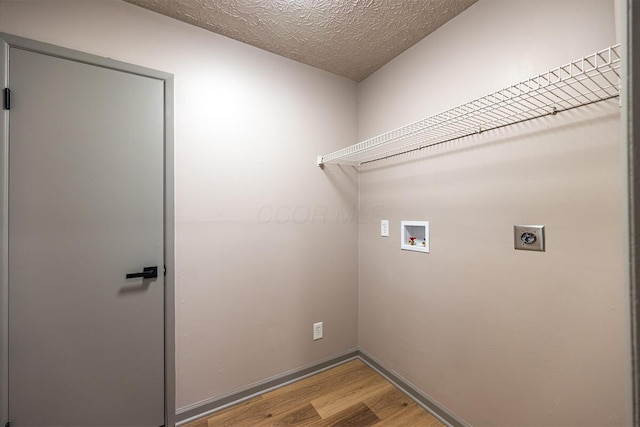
(630, 22)
(7, 41)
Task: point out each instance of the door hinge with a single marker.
(165, 271)
(7, 98)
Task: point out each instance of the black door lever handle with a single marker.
(146, 273)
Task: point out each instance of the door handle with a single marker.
(146, 273)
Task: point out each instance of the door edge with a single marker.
(4, 240)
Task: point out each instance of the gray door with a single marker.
(86, 344)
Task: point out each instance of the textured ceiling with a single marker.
(351, 38)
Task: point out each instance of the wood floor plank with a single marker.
(358, 415)
(300, 416)
(274, 404)
(244, 414)
(388, 403)
(413, 415)
(316, 386)
(351, 394)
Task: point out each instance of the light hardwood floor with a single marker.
(351, 394)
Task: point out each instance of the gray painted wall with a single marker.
(500, 337)
(266, 242)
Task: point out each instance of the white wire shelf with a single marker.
(594, 78)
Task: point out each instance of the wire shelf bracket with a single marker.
(590, 79)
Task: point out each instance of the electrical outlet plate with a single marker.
(528, 237)
(384, 228)
(317, 331)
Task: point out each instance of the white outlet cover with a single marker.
(317, 331)
(384, 228)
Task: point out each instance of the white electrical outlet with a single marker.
(317, 331)
(384, 228)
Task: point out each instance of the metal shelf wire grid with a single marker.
(594, 78)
